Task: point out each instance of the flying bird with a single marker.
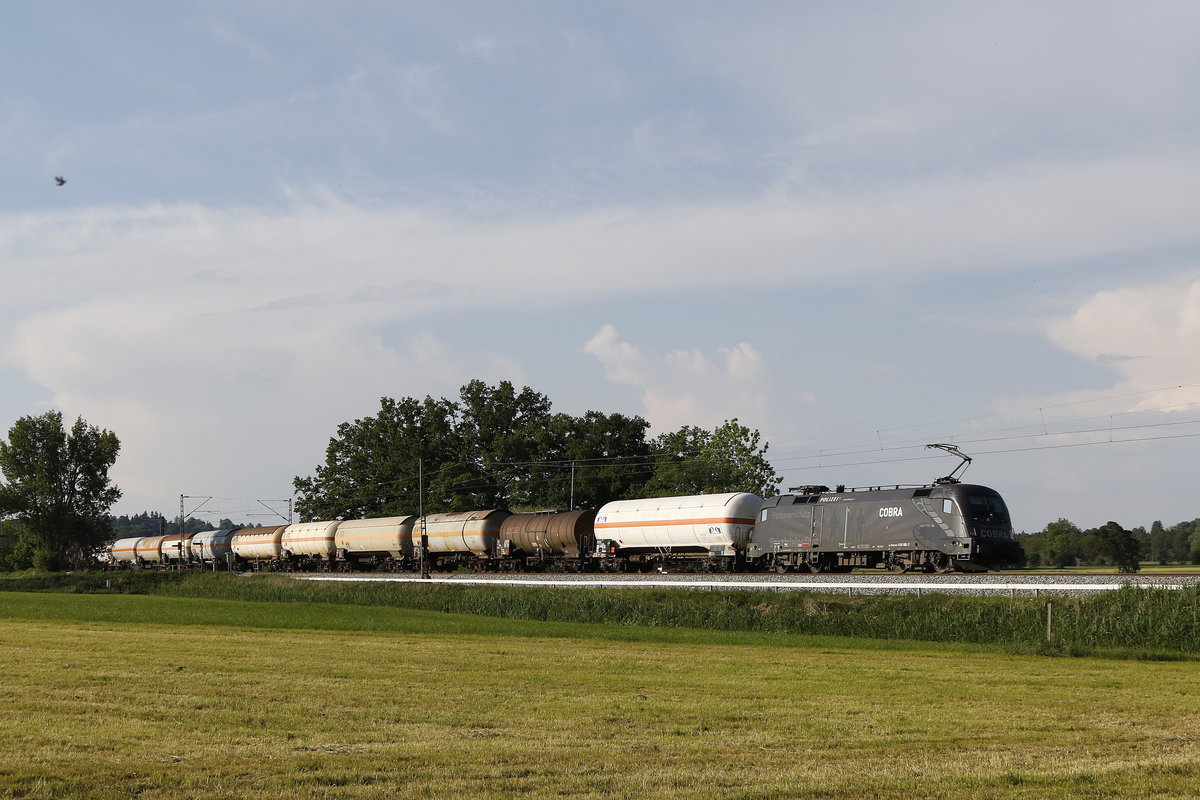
(60, 180)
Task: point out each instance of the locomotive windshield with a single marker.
(987, 507)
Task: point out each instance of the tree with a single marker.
(1118, 546)
(58, 487)
(1160, 545)
(593, 459)
(373, 465)
(1062, 544)
(1179, 548)
(1031, 547)
(505, 436)
(1194, 542)
(727, 459)
(495, 447)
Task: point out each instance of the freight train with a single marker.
(941, 527)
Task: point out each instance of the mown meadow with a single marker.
(303, 693)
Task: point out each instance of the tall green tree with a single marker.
(1117, 546)
(57, 485)
(592, 459)
(729, 458)
(1194, 543)
(1160, 544)
(373, 465)
(1061, 544)
(493, 447)
(506, 434)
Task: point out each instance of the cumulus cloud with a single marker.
(1150, 335)
(687, 387)
(258, 305)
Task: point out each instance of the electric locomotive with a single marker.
(945, 526)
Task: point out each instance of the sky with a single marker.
(858, 228)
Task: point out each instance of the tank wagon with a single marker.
(124, 551)
(640, 533)
(387, 542)
(176, 548)
(256, 545)
(547, 540)
(462, 538)
(149, 549)
(209, 547)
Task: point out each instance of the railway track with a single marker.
(997, 584)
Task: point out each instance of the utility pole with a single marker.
(424, 554)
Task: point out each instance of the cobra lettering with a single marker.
(891, 511)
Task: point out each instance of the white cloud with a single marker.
(1149, 335)
(687, 387)
(252, 306)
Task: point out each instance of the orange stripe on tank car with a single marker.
(658, 523)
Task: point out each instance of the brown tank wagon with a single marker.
(546, 538)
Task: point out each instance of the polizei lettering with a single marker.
(891, 511)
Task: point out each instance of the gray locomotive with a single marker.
(945, 526)
(936, 528)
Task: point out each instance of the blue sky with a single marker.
(858, 228)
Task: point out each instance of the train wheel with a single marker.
(781, 569)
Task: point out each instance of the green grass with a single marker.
(119, 696)
(1141, 623)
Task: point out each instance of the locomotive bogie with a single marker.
(714, 525)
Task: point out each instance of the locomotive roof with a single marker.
(914, 490)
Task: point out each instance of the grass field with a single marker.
(119, 696)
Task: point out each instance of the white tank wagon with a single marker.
(309, 541)
(176, 548)
(258, 544)
(713, 526)
(149, 549)
(124, 551)
(213, 546)
(383, 538)
(459, 536)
